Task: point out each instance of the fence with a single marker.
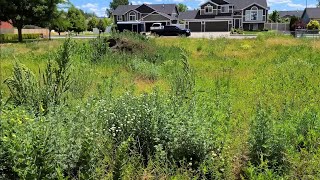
(277, 26)
(304, 33)
(44, 32)
(6, 31)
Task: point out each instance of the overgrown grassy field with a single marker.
(164, 108)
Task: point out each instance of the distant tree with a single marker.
(61, 22)
(102, 26)
(274, 16)
(115, 3)
(318, 3)
(88, 15)
(23, 12)
(182, 7)
(77, 20)
(92, 23)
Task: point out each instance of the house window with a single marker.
(254, 13)
(208, 9)
(224, 9)
(119, 18)
(132, 16)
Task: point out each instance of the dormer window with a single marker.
(224, 9)
(208, 9)
(132, 16)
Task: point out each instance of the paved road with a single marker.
(207, 35)
(74, 37)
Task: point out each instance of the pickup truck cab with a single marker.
(156, 26)
(171, 31)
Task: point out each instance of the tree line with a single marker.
(49, 14)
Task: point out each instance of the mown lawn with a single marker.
(166, 109)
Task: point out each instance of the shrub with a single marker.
(39, 94)
(293, 21)
(313, 25)
(265, 144)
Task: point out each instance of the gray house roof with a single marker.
(163, 8)
(122, 9)
(188, 14)
(290, 13)
(313, 13)
(241, 4)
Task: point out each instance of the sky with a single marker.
(99, 6)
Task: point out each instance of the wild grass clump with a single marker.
(39, 94)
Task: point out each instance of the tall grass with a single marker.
(214, 109)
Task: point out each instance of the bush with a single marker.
(14, 37)
(293, 20)
(313, 25)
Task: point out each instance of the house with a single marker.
(289, 14)
(6, 28)
(213, 15)
(139, 18)
(310, 14)
(222, 15)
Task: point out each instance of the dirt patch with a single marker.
(127, 45)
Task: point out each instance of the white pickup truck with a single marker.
(156, 26)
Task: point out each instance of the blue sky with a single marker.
(99, 6)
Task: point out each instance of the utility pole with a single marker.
(306, 3)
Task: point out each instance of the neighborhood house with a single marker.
(310, 14)
(212, 16)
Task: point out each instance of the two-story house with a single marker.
(222, 15)
(139, 18)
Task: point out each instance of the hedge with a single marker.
(14, 37)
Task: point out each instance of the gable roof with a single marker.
(163, 8)
(313, 13)
(188, 14)
(241, 4)
(290, 13)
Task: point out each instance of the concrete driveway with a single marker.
(215, 35)
(210, 35)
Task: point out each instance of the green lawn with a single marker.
(165, 108)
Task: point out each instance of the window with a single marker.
(254, 13)
(119, 18)
(132, 16)
(208, 9)
(224, 9)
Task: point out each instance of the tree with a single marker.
(92, 23)
(61, 22)
(182, 7)
(23, 12)
(293, 21)
(101, 26)
(274, 16)
(115, 3)
(76, 19)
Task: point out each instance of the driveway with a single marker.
(215, 35)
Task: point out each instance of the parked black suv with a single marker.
(171, 31)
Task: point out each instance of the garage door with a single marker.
(217, 26)
(195, 26)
